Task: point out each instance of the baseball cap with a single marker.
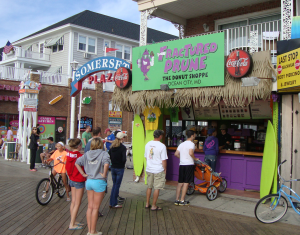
(211, 130)
(121, 135)
(223, 127)
(106, 130)
(50, 138)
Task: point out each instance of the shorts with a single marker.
(96, 185)
(157, 180)
(77, 185)
(186, 173)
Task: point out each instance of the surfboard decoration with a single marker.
(56, 99)
(138, 145)
(268, 162)
(275, 126)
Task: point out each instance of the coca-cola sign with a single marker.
(122, 77)
(238, 63)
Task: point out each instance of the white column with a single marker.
(72, 122)
(79, 114)
(286, 18)
(145, 15)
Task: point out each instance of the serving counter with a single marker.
(241, 169)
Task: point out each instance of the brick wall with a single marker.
(195, 25)
(98, 109)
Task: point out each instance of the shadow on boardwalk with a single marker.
(21, 214)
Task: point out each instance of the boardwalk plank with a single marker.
(131, 217)
(183, 222)
(124, 219)
(162, 229)
(138, 228)
(108, 220)
(146, 220)
(115, 223)
(176, 222)
(205, 224)
(168, 220)
(153, 222)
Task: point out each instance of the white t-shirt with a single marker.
(155, 153)
(184, 149)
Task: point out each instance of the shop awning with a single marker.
(58, 40)
(232, 93)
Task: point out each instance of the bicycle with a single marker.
(273, 207)
(48, 186)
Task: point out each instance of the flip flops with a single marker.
(76, 228)
(156, 209)
(148, 207)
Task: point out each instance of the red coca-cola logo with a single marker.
(238, 63)
(122, 77)
(279, 69)
(297, 64)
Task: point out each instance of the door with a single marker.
(60, 130)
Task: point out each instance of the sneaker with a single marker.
(184, 203)
(121, 198)
(176, 202)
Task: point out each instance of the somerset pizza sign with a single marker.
(239, 63)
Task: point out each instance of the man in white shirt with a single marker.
(10, 134)
(185, 152)
(156, 156)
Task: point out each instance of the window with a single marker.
(119, 52)
(42, 48)
(56, 48)
(30, 48)
(60, 69)
(106, 44)
(87, 44)
(123, 52)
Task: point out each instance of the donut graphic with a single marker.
(42, 128)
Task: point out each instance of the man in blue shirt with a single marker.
(110, 138)
(96, 134)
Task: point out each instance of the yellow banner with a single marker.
(115, 114)
(288, 70)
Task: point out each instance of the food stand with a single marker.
(202, 96)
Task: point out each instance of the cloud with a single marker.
(28, 16)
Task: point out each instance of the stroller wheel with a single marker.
(191, 189)
(223, 186)
(211, 193)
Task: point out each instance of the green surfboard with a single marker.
(138, 145)
(268, 163)
(275, 126)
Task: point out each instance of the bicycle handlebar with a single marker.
(282, 177)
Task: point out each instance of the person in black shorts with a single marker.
(185, 152)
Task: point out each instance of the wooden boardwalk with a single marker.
(21, 214)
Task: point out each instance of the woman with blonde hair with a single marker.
(60, 157)
(77, 181)
(117, 154)
(96, 163)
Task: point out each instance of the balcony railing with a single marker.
(19, 52)
(57, 79)
(13, 73)
(255, 37)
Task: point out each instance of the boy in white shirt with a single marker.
(185, 152)
(156, 155)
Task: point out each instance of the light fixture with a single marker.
(74, 64)
(164, 87)
(205, 27)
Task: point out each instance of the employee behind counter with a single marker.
(224, 138)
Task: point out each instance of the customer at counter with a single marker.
(224, 138)
(211, 149)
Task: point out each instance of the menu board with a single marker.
(261, 109)
(84, 122)
(232, 113)
(207, 113)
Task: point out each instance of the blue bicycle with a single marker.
(273, 207)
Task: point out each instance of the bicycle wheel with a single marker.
(61, 191)
(270, 208)
(191, 189)
(44, 192)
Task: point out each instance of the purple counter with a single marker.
(241, 171)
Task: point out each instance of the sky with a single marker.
(21, 18)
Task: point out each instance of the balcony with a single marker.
(27, 57)
(21, 74)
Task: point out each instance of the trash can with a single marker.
(38, 152)
(10, 147)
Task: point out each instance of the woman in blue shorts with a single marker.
(96, 163)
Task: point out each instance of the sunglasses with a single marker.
(34, 129)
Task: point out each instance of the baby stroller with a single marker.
(212, 181)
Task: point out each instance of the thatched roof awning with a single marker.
(233, 94)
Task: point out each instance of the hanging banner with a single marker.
(115, 114)
(191, 62)
(47, 128)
